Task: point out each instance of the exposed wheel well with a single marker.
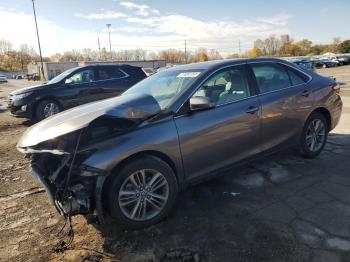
(326, 114)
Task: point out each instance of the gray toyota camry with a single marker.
(128, 157)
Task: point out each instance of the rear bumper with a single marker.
(336, 113)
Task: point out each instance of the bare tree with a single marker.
(214, 55)
(27, 49)
(336, 40)
(5, 46)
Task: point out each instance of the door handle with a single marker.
(252, 110)
(306, 93)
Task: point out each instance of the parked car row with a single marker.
(321, 62)
(129, 156)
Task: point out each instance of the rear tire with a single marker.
(133, 199)
(46, 108)
(314, 135)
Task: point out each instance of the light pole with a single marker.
(109, 37)
(37, 34)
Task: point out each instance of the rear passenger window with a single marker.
(295, 77)
(270, 77)
(106, 73)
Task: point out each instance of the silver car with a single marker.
(129, 156)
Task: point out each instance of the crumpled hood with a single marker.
(132, 106)
(29, 89)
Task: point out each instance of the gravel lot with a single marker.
(280, 208)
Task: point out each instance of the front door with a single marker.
(80, 87)
(229, 132)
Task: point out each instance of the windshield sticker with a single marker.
(188, 74)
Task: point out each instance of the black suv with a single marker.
(73, 87)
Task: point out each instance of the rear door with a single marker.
(284, 100)
(229, 132)
(112, 81)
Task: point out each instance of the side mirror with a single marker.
(68, 81)
(200, 103)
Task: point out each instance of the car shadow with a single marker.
(28, 122)
(223, 219)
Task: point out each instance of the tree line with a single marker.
(285, 46)
(17, 59)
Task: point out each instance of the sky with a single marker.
(154, 25)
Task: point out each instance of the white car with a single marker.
(3, 78)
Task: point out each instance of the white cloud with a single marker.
(152, 33)
(104, 14)
(142, 10)
(53, 38)
(192, 28)
(279, 20)
(221, 35)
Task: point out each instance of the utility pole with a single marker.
(109, 37)
(99, 48)
(37, 34)
(185, 52)
(239, 48)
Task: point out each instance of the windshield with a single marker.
(165, 86)
(61, 76)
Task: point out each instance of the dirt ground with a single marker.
(280, 208)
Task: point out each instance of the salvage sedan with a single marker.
(128, 157)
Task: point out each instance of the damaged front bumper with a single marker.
(82, 194)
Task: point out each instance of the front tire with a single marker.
(142, 192)
(314, 135)
(46, 108)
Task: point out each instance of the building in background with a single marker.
(52, 69)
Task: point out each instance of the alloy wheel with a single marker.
(51, 109)
(143, 195)
(315, 135)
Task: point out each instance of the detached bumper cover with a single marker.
(50, 190)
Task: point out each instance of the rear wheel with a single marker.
(46, 108)
(314, 135)
(142, 193)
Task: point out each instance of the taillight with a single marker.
(336, 88)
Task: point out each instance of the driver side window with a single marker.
(224, 87)
(84, 76)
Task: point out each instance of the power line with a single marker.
(109, 37)
(37, 34)
(239, 47)
(185, 52)
(99, 47)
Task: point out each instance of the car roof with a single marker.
(107, 64)
(219, 63)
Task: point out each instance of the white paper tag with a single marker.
(188, 74)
